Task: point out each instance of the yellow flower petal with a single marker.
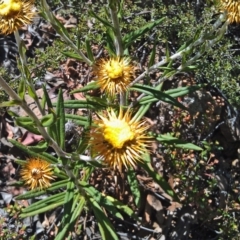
(113, 75)
(233, 10)
(119, 141)
(14, 14)
(37, 173)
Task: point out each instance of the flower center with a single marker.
(114, 69)
(10, 8)
(36, 173)
(117, 133)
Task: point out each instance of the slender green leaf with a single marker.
(134, 186)
(157, 178)
(90, 86)
(79, 202)
(158, 94)
(60, 123)
(176, 92)
(40, 147)
(36, 192)
(44, 209)
(105, 226)
(27, 123)
(44, 155)
(49, 16)
(22, 88)
(48, 100)
(76, 117)
(124, 208)
(68, 203)
(52, 129)
(89, 50)
(170, 140)
(53, 199)
(104, 21)
(48, 120)
(140, 113)
(128, 39)
(11, 103)
(153, 54)
(31, 92)
(108, 202)
(72, 55)
(109, 39)
(167, 51)
(75, 104)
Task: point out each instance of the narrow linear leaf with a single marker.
(60, 124)
(27, 123)
(158, 94)
(35, 193)
(157, 178)
(40, 147)
(134, 186)
(44, 155)
(48, 120)
(31, 92)
(90, 86)
(76, 117)
(68, 203)
(75, 214)
(132, 36)
(41, 209)
(176, 92)
(105, 22)
(105, 226)
(22, 88)
(153, 54)
(37, 206)
(124, 208)
(72, 55)
(11, 103)
(89, 50)
(168, 139)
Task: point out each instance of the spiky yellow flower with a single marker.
(114, 74)
(119, 141)
(14, 14)
(233, 10)
(37, 173)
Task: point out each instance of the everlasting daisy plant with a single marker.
(233, 10)
(14, 14)
(114, 74)
(119, 140)
(37, 173)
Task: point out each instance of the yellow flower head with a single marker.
(233, 10)
(119, 141)
(37, 173)
(114, 74)
(14, 14)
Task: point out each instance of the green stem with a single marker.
(55, 25)
(23, 60)
(117, 41)
(30, 113)
(198, 42)
(118, 36)
(41, 129)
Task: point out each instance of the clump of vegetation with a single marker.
(135, 56)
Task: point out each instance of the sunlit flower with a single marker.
(37, 173)
(114, 74)
(14, 14)
(119, 141)
(233, 10)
